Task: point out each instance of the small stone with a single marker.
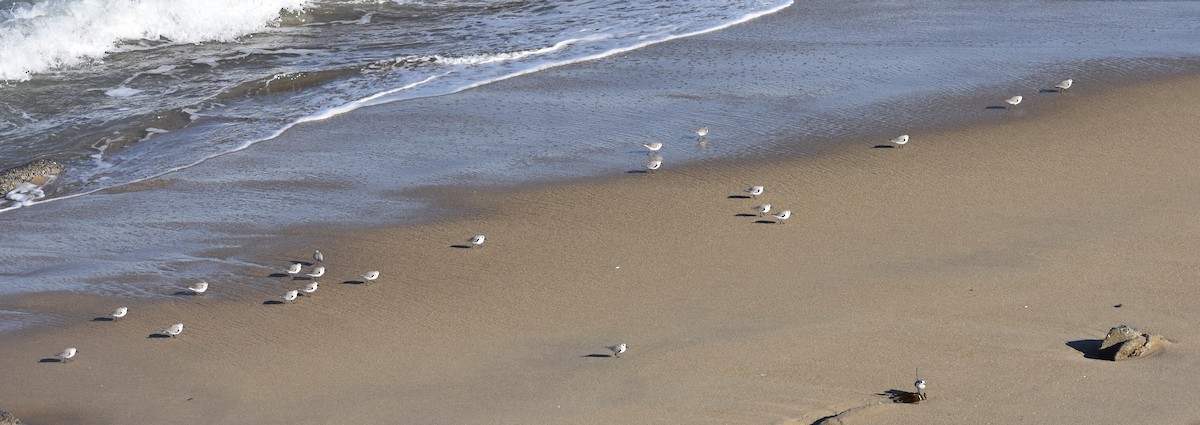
(8, 419)
(1124, 342)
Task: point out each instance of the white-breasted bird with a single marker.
(755, 191)
(198, 288)
(173, 330)
(318, 257)
(477, 240)
(653, 146)
(782, 216)
(900, 140)
(618, 349)
(703, 131)
(371, 275)
(1013, 101)
(290, 296)
(295, 268)
(67, 354)
(653, 165)
(1065, 84)
(120, 312)
(310, 288)
(317, 272)
(762, 209)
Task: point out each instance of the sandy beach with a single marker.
(990, 257)
(987, 258)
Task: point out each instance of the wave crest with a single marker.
(56, 33)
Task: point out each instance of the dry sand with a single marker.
(990, 257)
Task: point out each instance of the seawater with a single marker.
(168, 123)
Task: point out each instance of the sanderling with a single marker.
(703, 131)
(762, 209)
(1013, 101)
(173, 330)
(67, 354)
(653, 146)
(291, 295)
(754, 191)
(371, 275)
(654, 164)
(477, 240)
(198, 288)
(120, 312)
(618, 349)
(295, 268)
(920, 385)
(317, 272)
(900, 140)
(318, 257)
(782, 216)
(1065, 84)
(311, 287)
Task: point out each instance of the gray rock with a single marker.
(1124, 342)
(10, 178)
(8, 419)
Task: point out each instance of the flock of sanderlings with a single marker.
(654, 163)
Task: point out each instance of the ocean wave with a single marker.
(58, 33)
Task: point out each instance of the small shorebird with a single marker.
(318, 257)
(290, 296)
(653, 146)
(920, 386)
(762, 209)
(317, 272)
(754, 191)
(67, 354)
(477, 241)
(703, 131)
(198, 288)
(1013, 101)
(371, 275)
(120, 312)
(782, 216)
(1065, 84)
(900, 140)
(654, 164)
(295, 268)
(618, 349)
(173, 330)
(310, 288)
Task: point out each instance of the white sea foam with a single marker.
(122, 91)
(56, 33)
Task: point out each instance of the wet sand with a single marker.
(992, 258)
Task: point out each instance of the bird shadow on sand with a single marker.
(996, 107)
(901, 396)
(278, 275)
(745, 215)
(765, 222)
(51, 360)
(186, 293)
(353, 282)
(104, 319)
(883, 147)
(1089, 347)
(600, 356)
(637, 172)
(737, 197)
(302, 278)
(158, 335)
(460, 246)
(272, 302)
(305, 263)
(1049, 91)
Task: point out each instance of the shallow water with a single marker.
(787, 84)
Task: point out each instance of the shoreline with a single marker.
(978, 255)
